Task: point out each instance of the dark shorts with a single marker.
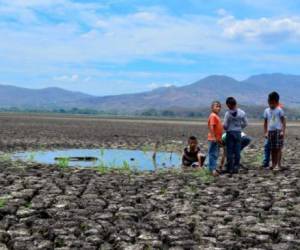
(190, 164)
(195, 163)
(276, 140)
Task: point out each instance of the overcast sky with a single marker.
(123, 46)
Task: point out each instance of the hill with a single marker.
(11, 96)
(250, 92)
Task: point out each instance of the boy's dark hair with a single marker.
(231, 101)
(192, 138)
(215, 103)
(274, 96)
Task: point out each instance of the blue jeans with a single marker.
(246, 140)
(267, 153)
(233, 147)
(213, 155)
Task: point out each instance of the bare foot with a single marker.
(281, 168)
(215, 173)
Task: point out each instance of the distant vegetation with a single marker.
(73, 111)
(254, 112)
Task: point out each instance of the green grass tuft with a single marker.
(63, 162)
(125, 168)
(3, 202)
(204, 174)
(28, 205)
(31, 157)
(5, 157)
(163, 190)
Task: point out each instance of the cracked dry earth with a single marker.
(49, 208)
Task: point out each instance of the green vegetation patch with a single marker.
(204, 174)
(63, 162)
(3, 202)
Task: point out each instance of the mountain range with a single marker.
(11, 96)
(252, 91)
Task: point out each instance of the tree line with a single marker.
(254, 112)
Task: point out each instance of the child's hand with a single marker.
(266, 135)
(282, 135)
(220, 142)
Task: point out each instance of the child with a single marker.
(215, 129)
(267, 149)
(191, 155)
(274, 127)
(234, 122)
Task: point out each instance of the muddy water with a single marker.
(109, 157)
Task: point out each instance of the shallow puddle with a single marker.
(140, 160)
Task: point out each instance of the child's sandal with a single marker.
(219, 171)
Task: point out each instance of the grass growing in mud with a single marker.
(254, 159)
(3, 202)
(28, 205)
(31, 157)
(103, 168)
(124, 168)
(5, 157)
(204, 174)
(63, 162)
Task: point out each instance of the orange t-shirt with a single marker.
(214, 120)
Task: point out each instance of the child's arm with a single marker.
(199, 155)
(183, 159)
(225, 125)
(212, 131)
(244, 121)
(266, 127)
(223, 158)
(283, 120)
(265, 123)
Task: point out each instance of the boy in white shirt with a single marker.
(274, 127)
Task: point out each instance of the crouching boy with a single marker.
(192, 156)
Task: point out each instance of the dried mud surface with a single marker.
(45, 207)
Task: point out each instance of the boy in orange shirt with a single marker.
(215, 128)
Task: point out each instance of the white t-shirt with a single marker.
(274, 118)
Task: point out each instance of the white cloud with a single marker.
(86, 35)
(30, 11)
(263, 29)
(30, 3)
(87, 79)
(67, 78)
(222, 12)
(58, 37)
(153, 85)
(150, 34)
(50, 4)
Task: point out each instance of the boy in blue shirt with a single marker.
(234, 122)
